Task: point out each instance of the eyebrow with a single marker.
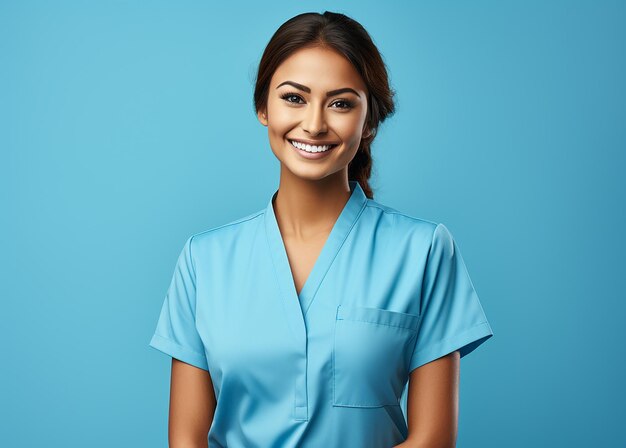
(329, 93)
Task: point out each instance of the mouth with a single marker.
(311, 148)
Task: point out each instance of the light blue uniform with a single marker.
(328, 368)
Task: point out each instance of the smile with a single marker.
(311, 148)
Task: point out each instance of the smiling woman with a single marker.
(303, 323)
(314, 118)
(323, 81)
(325, 121)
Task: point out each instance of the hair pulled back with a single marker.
(347, 37)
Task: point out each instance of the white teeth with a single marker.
(310, 148)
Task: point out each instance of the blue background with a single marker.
(125, 127)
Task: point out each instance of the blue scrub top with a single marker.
(330, 366)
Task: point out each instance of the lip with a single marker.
(311, 155)
(313, 143)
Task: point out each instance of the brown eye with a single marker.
(289, 95)
(347, 104)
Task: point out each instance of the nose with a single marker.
(314, 122)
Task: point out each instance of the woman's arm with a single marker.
(192, 405)
(432, 404)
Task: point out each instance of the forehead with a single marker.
(320, 69)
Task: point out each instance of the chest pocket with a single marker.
(371, 354)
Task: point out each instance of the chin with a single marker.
(308, 174)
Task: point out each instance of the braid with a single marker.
(360, 168)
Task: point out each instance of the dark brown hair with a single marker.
(348, 37)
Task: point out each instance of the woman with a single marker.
(303, 323)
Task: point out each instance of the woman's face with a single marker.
(317, 97)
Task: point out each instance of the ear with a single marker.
(262, 116)
(366, 133)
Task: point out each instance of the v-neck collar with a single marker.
(344, 223)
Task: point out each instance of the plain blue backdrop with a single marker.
(127, 126)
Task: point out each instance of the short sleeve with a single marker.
(176, 333)
(451, 315)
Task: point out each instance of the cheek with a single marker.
(281, 120)
(349, 130)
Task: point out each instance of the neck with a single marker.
(308, 208)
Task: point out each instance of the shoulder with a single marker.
(227, 232)
(403, 223)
